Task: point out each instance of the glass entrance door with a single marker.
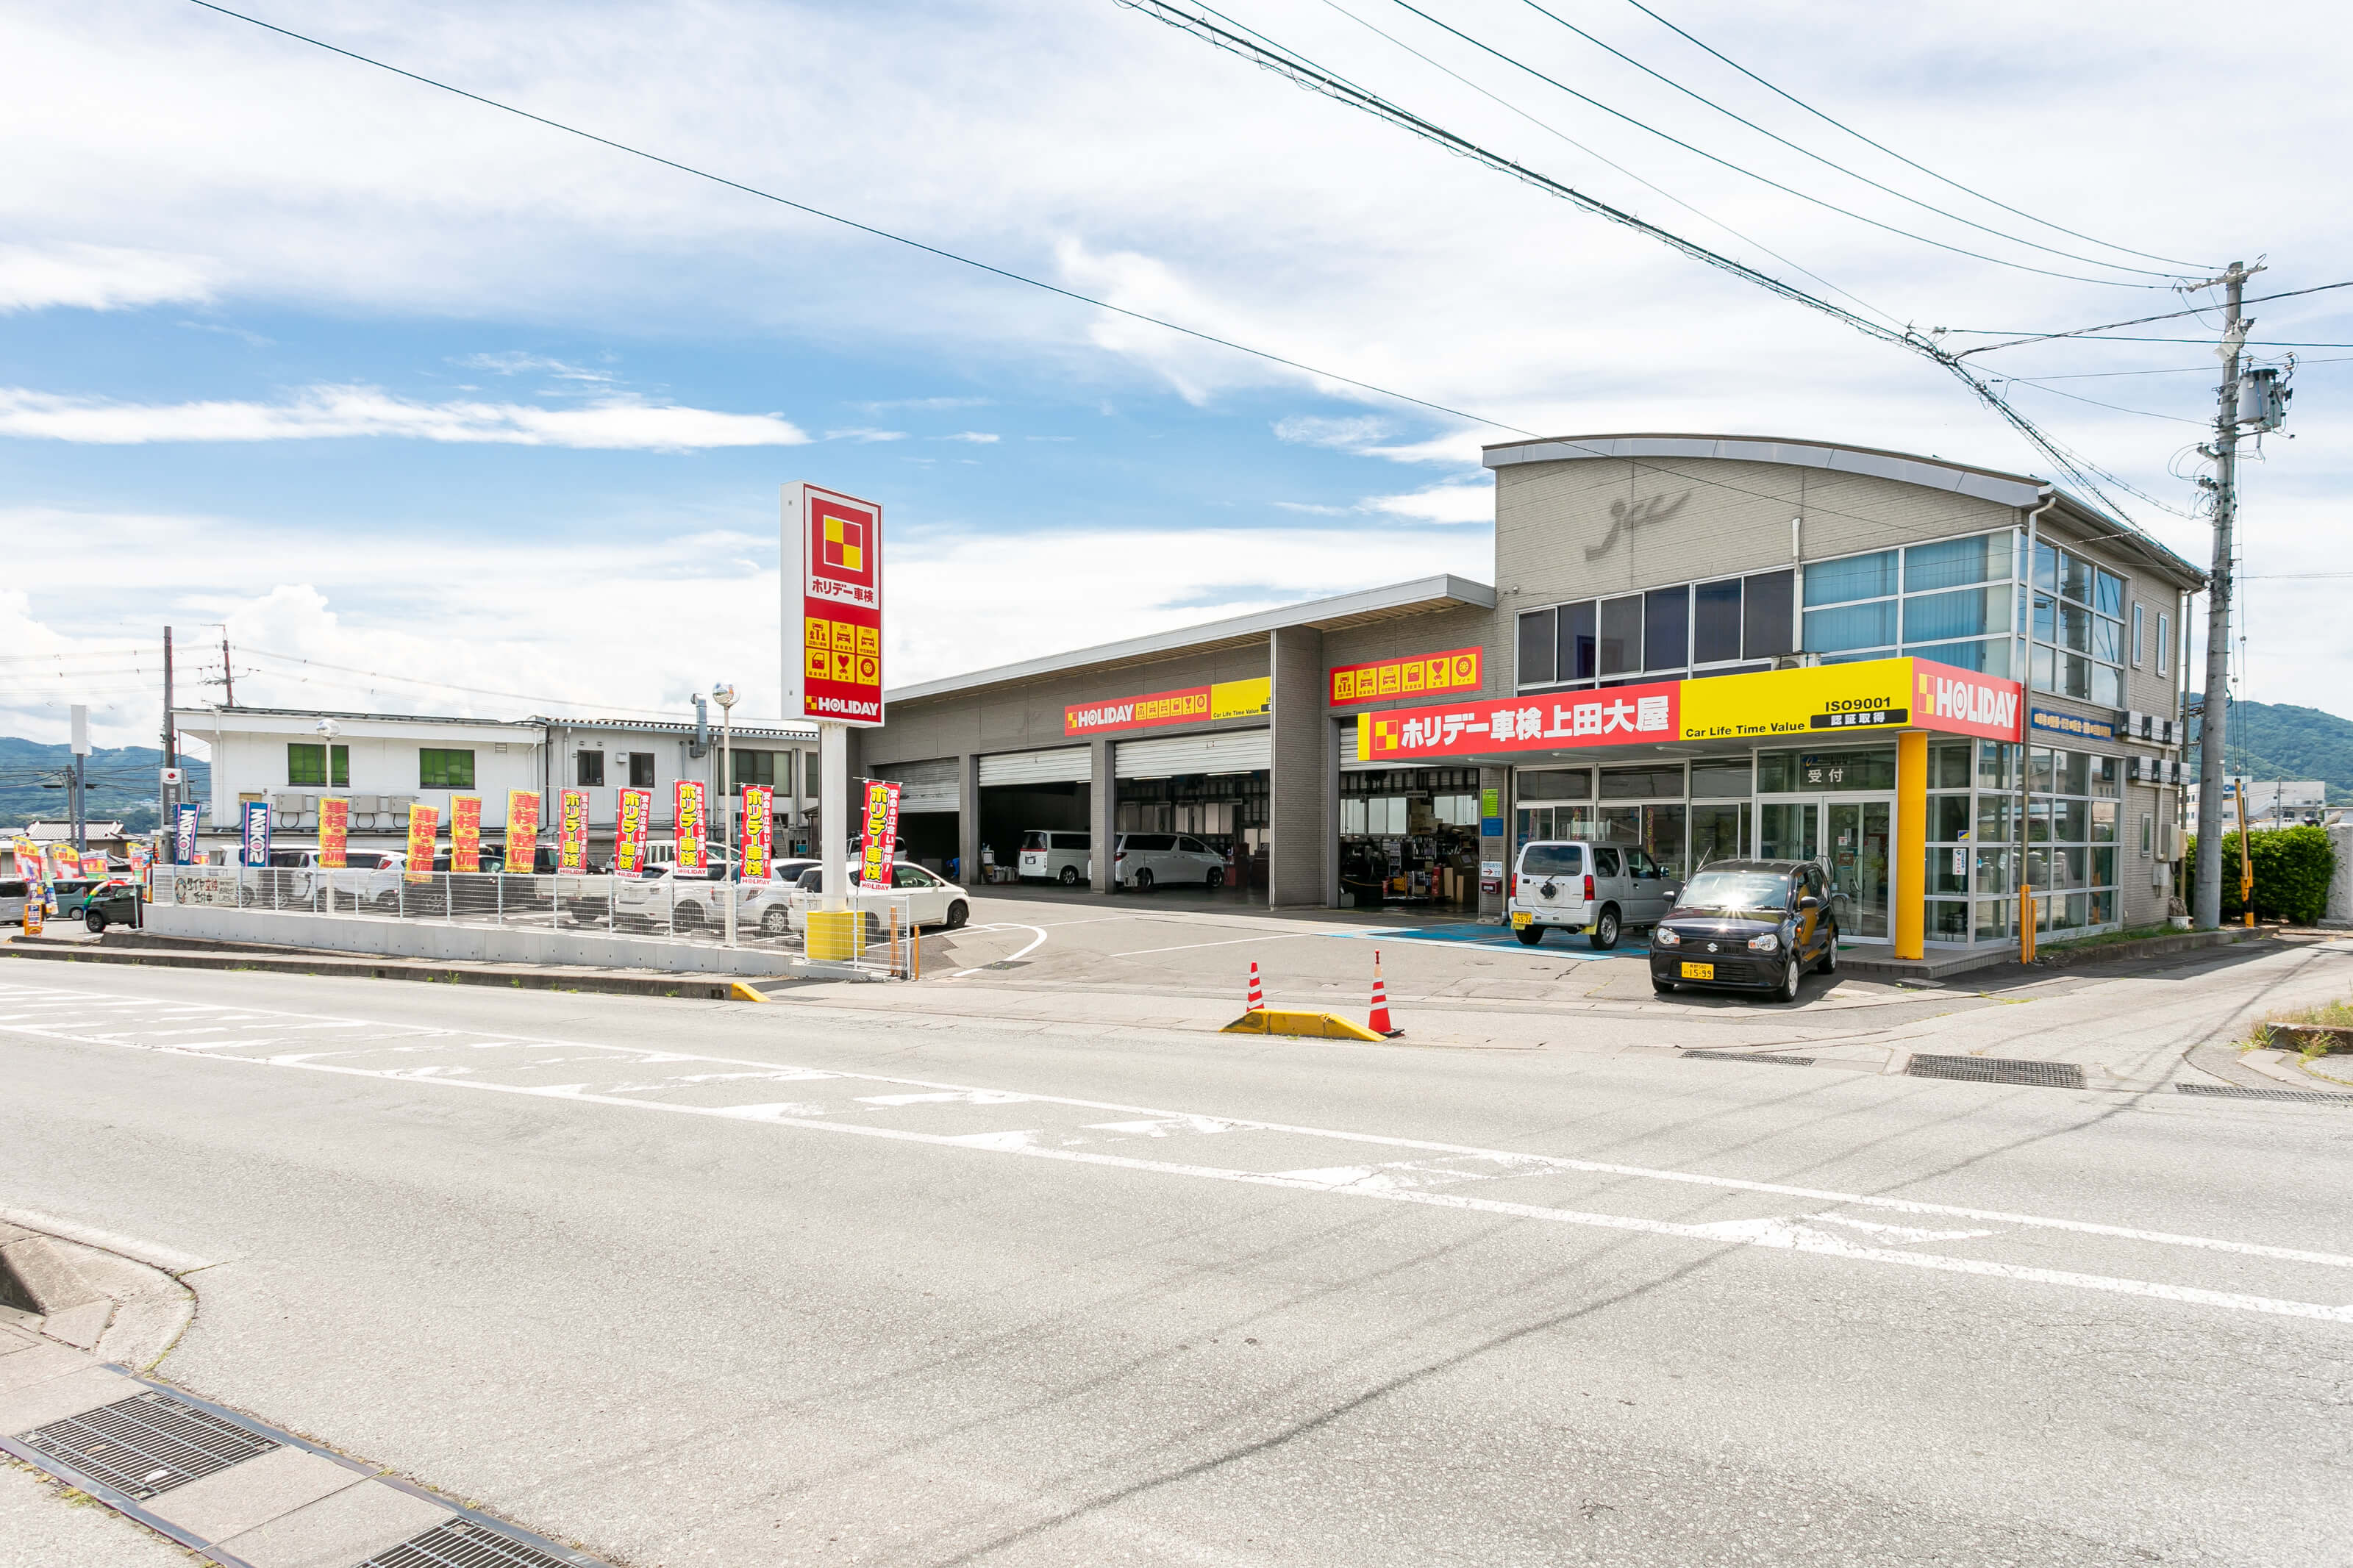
(1857, 844)
(1787, 830)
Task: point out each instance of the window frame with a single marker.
(334, 766)
(580, 778)
(1571, 631)
(1994, 648)
(426, 778)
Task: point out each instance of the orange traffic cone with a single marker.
(1257, 998)
(1380, 1022)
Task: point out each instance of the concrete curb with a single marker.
(290, 1503)
(281, 961)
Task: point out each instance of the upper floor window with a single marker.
(2078, 629)
(444, 769)
(1947, 599)
(1659, 634)
(773, 769)
(589, 768)
(326, 766)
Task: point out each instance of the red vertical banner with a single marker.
(629, 833)
(686, 812)
(757, 828)
(882, 844)
(466, 833)
(424, 827)
(334, 831)
(572, 833)
(523, 830)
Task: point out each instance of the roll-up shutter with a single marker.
(1058, 764)
(1349, 760)
(1231, 751)
(924, 786)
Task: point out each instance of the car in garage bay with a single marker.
(1146, 861)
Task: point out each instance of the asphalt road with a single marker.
(699, 1283)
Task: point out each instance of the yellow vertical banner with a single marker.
(334, 831)
(466, 833)
(424, 827)
(523, 830)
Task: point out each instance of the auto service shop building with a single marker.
(1941, 681)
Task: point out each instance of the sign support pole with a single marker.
(833, 810)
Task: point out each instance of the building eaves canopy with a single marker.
(1420, 596)
(1993, 485)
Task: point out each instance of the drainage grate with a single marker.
(1997, 1069)
(1747, 1057)
(2309, 1095)
(147, 1444)
(468, 1544)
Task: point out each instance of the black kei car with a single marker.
(115, 902)
(1748, 925)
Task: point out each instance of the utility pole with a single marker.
(167, 795)
(229, 673)
(78, 719)
(2205, 899)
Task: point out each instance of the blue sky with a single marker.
(388, 381)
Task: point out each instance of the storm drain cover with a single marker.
(1747, 1057)
(148, 1443)
(2230, 1092)
(468, 1544)
(1999, 1070)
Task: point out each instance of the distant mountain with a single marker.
(122, 783)
(2278, 741)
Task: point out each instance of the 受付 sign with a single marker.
(833, 606)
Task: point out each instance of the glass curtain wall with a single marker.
(1950, 600)
(1660, 633)
(2071, 802)
(1969, 862)
(2078, 629)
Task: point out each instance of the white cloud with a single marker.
(1473, 502)
(514, 361)
(977, 437)
(865, 434)
(96, 278)
(1348, 435)
(323, 412)
(924, 405)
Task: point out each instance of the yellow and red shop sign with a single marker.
(1184, 705)
(334, 831)
(523, 829)
(1456, 669)
(835, 543)
(758, 830)
(571, 832)
(466, 833)
(1886, 694)
(424, 827)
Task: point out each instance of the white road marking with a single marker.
(1781, 1233)
(1006, 925)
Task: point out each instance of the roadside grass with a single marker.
(2105, 939)
(2338, 1014)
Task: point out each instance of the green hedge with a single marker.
(2292, 866)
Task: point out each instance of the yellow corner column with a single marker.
(1909, 852)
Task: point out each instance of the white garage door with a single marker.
(1349, 760)
(1232, 751)
(924, 786)
(1058, 764)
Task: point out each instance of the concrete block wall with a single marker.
(458, 943)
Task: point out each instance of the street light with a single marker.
(724, 695)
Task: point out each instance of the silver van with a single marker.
(1054, 855)
(1597, 889)
(13, 894)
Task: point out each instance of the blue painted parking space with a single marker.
(1555, 944)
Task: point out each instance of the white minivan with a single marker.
(1145, 861)
(1596, 889)
(1055, 855)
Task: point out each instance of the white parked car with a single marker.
(1599, 889)
(930, 899)
(1055, 854)
(1146, 860)
(700, 902)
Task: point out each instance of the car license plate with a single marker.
(1699, 972)
(1522, 919)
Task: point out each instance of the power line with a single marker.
(1552, 129)
(863, 228)
(2136, 322)
(1817, 157)
(1304, 72)
(1810, 109)
(2118, 407)
(1736, 168)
